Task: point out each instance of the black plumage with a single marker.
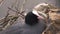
(31, 19)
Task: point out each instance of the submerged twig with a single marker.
(10, 19)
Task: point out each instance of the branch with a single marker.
(48, 26)
(20, 14)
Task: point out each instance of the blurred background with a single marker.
(26, 5)
(29, 4)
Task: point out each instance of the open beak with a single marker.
(40, 17)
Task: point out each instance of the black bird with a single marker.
(32, 18)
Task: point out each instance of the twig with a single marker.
(21, 15)
(48, 26)
(2, 2)
(22, 7)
